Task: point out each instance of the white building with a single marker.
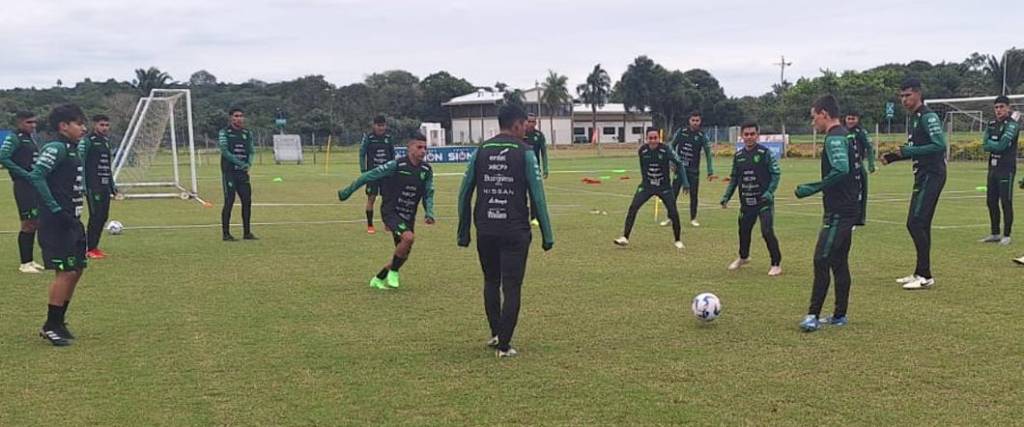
(434, 133)
(475, 119)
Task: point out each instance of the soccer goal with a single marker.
(966, 118)
(149, 162)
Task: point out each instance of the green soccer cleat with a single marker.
(393, 279)
(377, 283)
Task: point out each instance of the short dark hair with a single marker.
(234, 110)
(750, 124)
(828, 104)
(911, 83)
(380, 120)
(652, 129)
(100, 118)
(508, 115)
(852, 112)
(695, 113)
(1002, 99)
(65, 113)
(416, 136)
(23, 114)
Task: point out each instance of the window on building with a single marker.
(579, 131)
(636, 130)
(608, 131)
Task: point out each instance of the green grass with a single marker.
(178, 328)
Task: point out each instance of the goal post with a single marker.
(148, 162)
(965, 119)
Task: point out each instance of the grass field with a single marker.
(179, 328)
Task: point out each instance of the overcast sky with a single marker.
(484, 41)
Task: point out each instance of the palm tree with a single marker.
(595, 93)
(554, 95)
(1010, 66)
(514, 97)
(149, 79)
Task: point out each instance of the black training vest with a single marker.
(754, 174)
(404, 190)
(25, 152)
(843, 197)
(655, 165)
(1002, 164)
(239, 141)
(689, 150)
(379, 150)
(97, 164)
(918, 136)
(65, 181)
(500, 171)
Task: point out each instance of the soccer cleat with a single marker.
(907, 279)
(37, 265)
(29, 267)
(919, 283)
(836, 320)
(229, 238)
(535, 223)
(810, 323)
(621, 241)
(493, 342)
(1005, 241)
(66, 332)
(53, 335)
(739, 262)
(370, 230)
(393, 279)
(776, 270)
(679, 245)
(694, 223)
(511, 352)
(95, 254)
(991, 238)
(1019, 260)
(665, 223)
(377, 283)
(250, 236)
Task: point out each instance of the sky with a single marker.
(483, 41)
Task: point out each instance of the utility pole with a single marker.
(782, 86)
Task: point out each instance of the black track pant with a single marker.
(642, 196)
(927, 188)
(1000, 192)
(99, 212)
(236, 183)
(694, 180)
(748, 216)
(831, 258)
(503, 261)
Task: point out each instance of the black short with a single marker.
(27, 200)
(63, 247)
(372, 189)
(397, 225)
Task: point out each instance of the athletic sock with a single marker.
(383, 273)
(397, 262)
(25, 245)
(54, 316)
(64, 310)
(369, 218)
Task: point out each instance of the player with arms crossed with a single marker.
(756, 172)
(405, 182)
(1000, 141)
(375, 150)
(17, 154)
(94, 152)
(656, 161)
(57, 177)
(688, 143)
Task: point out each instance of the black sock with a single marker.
(25, 245)
(383, 273)
(54, 316)
(397, 262)
(369, 218)
(64, 310)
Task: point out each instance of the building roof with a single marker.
(612, 108)
(482, 96)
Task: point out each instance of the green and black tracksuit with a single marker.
(506, 177)
(57, 177)
(656, 168)
(17, 154)
(94, 152)
(1000, 141)
(236, 155)
(862, 150)
(535, 139)
(841, 199)
(405, 185)
(756, 172)
(374, 150)
(926, 146)
(688, 144)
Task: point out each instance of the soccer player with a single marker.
(17, 153)
(926, 145)
(535, 139)
(1000, 141)
(841, 195)
(688, 143)
(862, 150)
(94, 153)
(405, 181)
(57, 178)
(756, 172)
(237, 152)
(504, 173)
(376, 149)
(656, 160)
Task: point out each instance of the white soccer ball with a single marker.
(706, 306)
(115, 227)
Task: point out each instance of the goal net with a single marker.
(965, 119)
(157, 155)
